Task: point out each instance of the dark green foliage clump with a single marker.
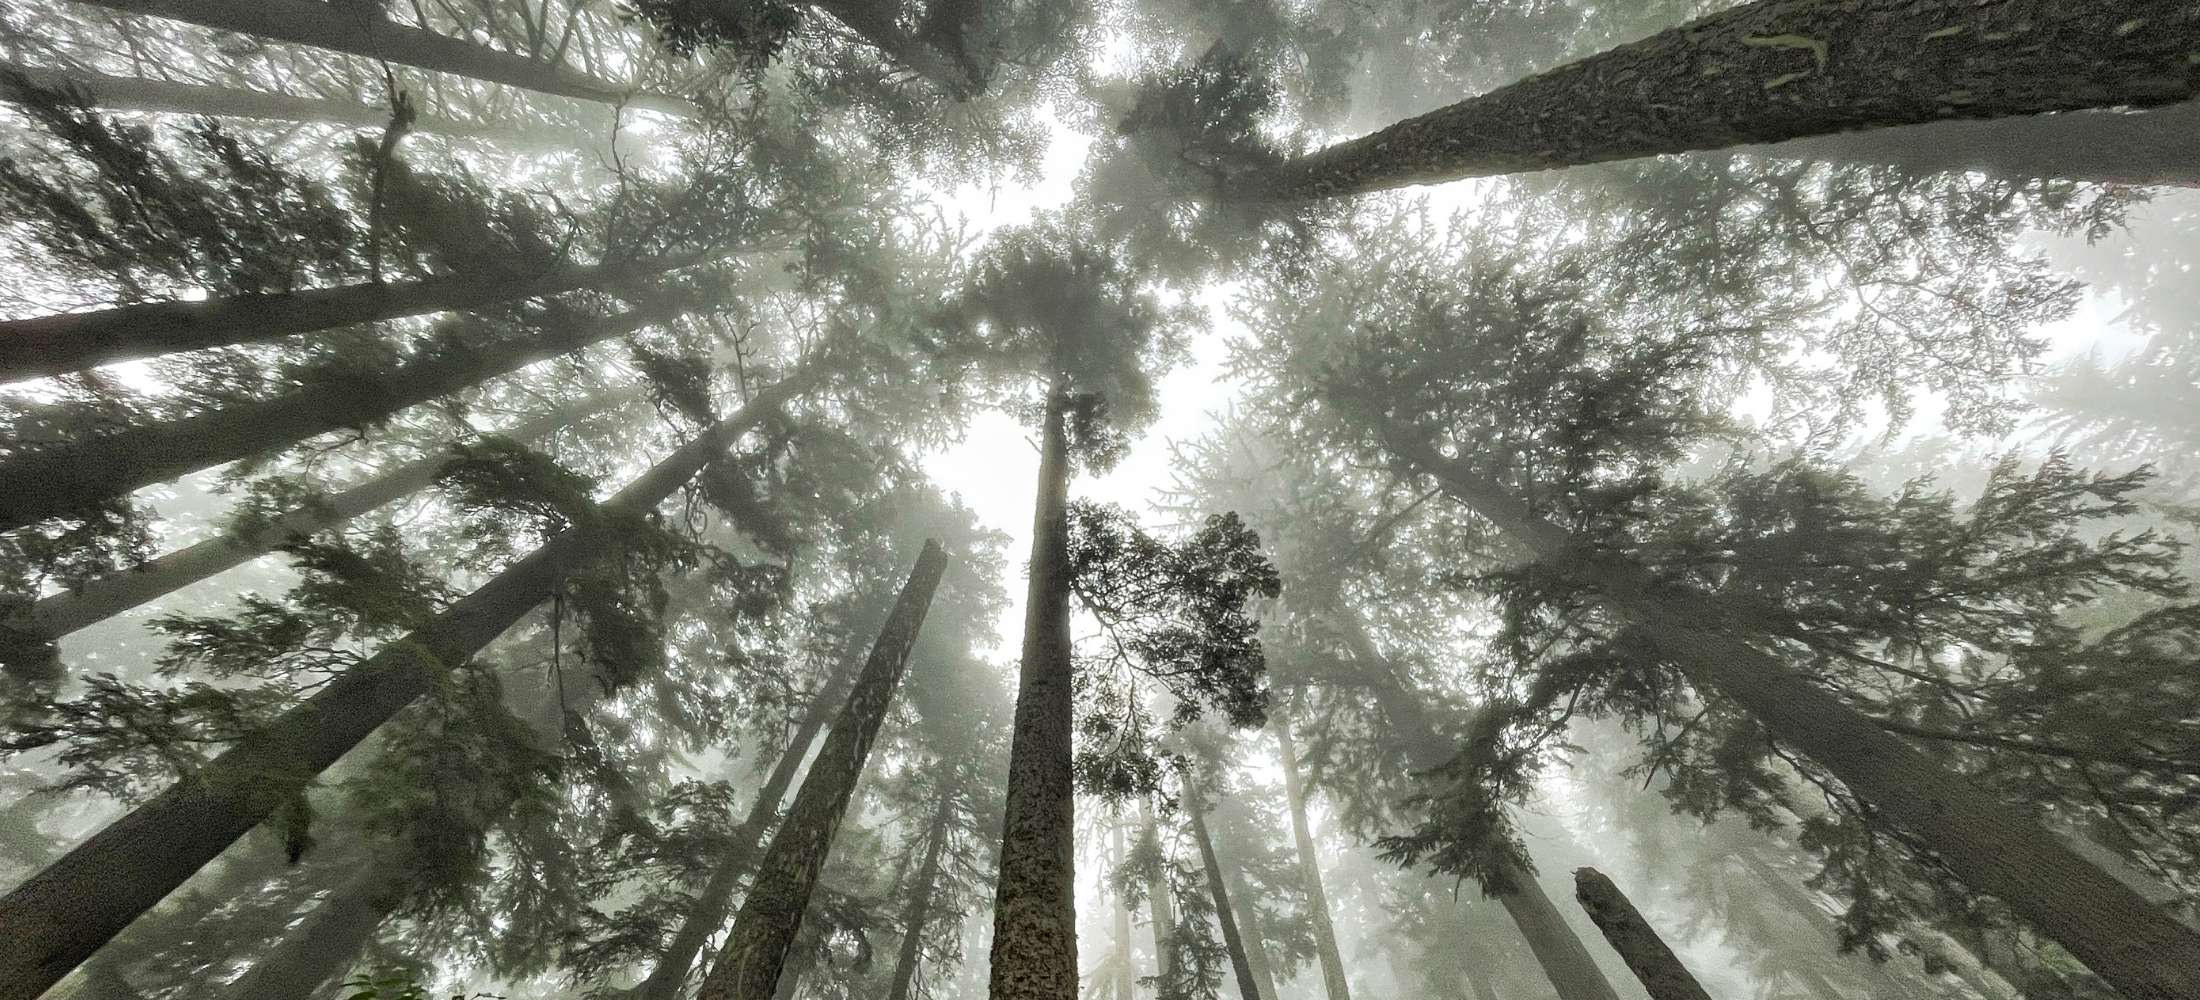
(753, 32)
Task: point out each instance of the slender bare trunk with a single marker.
(706, 915)
(1034, 911)
(1125, 978)
(1233, 939)
(2103, 147)
(920, 905)
(1249, 924)
(748, 967)
(1334, 983)
(1160, 908)
(1775, 70)
(365, 32)
(61, 915)
(68, 342)
(127, 93)
(1637, 942)
(68, 477)
(2136, 946)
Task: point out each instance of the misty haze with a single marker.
(1099, 500)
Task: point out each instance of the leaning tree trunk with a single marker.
(2136, 946)
(2103, 147)
(61, 915)
(1775, 70)
(67, 342)
(919, 912)
(362, 30)
(104, 597)
(1035, 908)
(63, 479)
(1233, 940)
(126, 93)
(748, 967)
(1564, 959)
(706, 915)
(1662, 974)
(327, 941)
(1793, 899)
(1249, 926)
(1334, 983)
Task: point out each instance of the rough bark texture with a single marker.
(1776, 70)
(125, 93)
(2107, 147)
(2136, 946)
(360, 30)
(748, 967)
(1559, 952)
(1233, 938)
(58, 917)
(59, 480)
(1034, 910)
(1334, 983)
(1660, 970)
(919, 912)
(105, 597)
(69, 342)
(706, 915)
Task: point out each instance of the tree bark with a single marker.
(920, 906)
(1233, 940)
(748, 967)
(61, 915)
(66, 478)
(361, 30)
(67, 342)
(1034, 911)
(105, 597)
(126, 93)
(2136, 946)
(1775, 70)
(2148, 148)
(707, 914)
(1249, 926)
(1334, 983)
(1637, 942)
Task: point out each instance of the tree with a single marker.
(1334, 984)
(1636, 941)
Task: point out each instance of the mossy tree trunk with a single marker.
(1771, 71)
(1034, 911)
(749, 966)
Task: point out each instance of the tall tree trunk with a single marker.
(69, 342)
(1249, 925)
(104, 597)
(1125, 978)
(1770, 71)
(919, 912)
(1233, 939)
(1661, 972)
(1564, 959)
(1334, 983)
(2136, 946)
(748, 967)
(65, 478)
(706, 915)
(362, 30)
(1035, 906)
(125, 93)
(1160, 908)
(2105, 147)
(1793, 899)
(64, 913)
